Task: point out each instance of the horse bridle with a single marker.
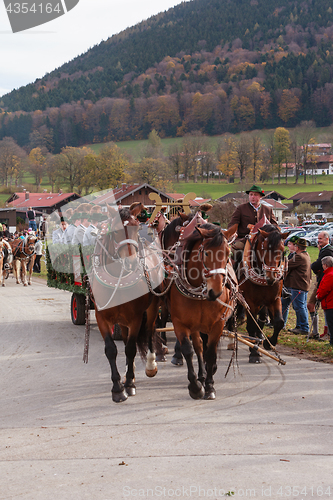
(259, 279)
(211, 272)
(24, 243)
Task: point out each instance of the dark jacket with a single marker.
(316, 266)
(245, 214)
(325, 289)
(299, 272)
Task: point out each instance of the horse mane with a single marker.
(274, 235)
(214, 232)
(170, 229)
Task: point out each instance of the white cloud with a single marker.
(28, 55)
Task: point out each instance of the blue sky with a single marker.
(28, 55)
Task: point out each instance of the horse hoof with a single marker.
(210, 395)
(198, 393)
(119, 397)
(177, 361)
(266, 345)
(151, 373)
(160, 358)
(130, 391)
(254, 359)
(230, 347)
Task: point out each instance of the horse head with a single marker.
(270, 252)
(29, 244)
(211, 259)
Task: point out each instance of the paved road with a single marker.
(267, 435)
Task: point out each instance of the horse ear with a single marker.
(203, 232)
(183, 216)
(263, 233)
(136, 208)
(112, 211)
(285, 235)
(229, 233)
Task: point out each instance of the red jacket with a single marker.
(325, 289)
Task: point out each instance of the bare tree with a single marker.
(12, 159)
(243, 159)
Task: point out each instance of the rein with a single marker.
(252, 275)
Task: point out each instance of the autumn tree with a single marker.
(37, 163)
(256, 157)
(153, 171)
(226, 155)
(175, 160)
(11, 161)
(243, 159)
(289, 105)
(104, 170)
(72, 166)
(295, 152)
(281, 149)
(52, 168)
(304, 209)
(306, 134)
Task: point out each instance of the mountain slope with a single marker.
(186, 28)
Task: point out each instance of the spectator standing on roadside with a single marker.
(298, 282)
(325, 250)
(325, 293)
(31, 216)
(39, 253)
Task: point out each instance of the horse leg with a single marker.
(130, 351)
(118, 392)
(200, 344)
(253, 331)
(31, 265)
(211, 367)
(276, 312)
(195, 387)
(152, 313)
(16, 268)
(24, 273)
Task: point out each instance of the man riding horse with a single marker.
(245, 214)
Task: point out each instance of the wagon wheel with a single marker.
(78, 312)
(116, 332)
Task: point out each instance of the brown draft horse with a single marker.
(201, 300)
(119, 279)
(261, 281)
(23, 257)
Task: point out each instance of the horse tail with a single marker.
(142, 338)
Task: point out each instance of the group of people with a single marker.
(79, 226)
(297, 282)
(7, 236)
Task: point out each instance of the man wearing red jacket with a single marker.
(325, 293)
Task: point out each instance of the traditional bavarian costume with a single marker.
(244, 215)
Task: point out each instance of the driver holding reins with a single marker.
(249, 213)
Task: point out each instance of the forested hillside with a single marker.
(211, 65)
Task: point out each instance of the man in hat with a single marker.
(249, 213)
(297, 281)
(82, 215)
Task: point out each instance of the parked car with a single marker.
(312, 237)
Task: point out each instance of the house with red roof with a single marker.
(42, 203)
